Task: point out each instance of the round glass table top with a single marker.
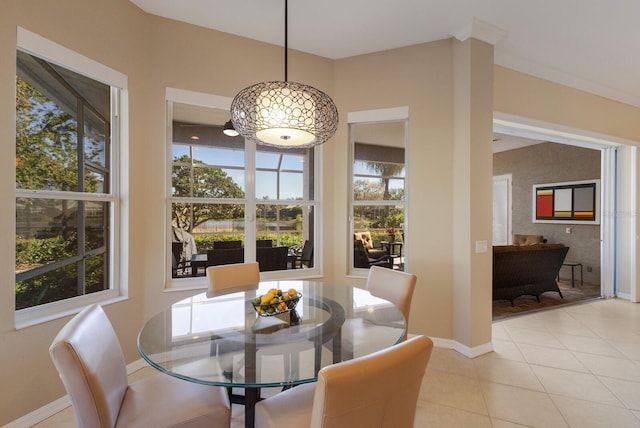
(223, 341)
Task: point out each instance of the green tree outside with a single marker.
(208, 182)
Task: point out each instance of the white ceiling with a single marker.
(587, 44)
(504, 142)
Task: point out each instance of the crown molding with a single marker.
(541, 71)
(480, 30)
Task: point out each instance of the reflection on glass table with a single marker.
(223, 341)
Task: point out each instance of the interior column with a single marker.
(472, 199)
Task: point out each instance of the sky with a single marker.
(291, 183)
(233, 161)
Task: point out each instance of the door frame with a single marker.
(507, 178)
(610, 196)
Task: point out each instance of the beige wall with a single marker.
(418, 77)
(156, 53)
(113, 33)
(527, 96)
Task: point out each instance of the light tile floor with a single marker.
(576, 366)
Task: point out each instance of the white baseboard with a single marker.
(40, 414)
(458, 347)
(468, 352)
(60, 404)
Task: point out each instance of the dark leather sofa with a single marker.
(520, 270)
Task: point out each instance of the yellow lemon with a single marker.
(292, 292)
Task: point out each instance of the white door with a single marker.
(502, 209)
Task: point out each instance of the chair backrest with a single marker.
(225, 245)
(226, 279)
(178, 259)
(307, 254)
(272, 258)
(365, 238)
(264, 243)
(379, 389)
(519, 239)
(89, 359)
(177, 249)
(360, 256)
(395, 286)
(225, 256)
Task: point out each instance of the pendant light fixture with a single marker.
(229, 130)
(284, 114)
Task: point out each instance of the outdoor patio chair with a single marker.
(225, 245)
(272, 258)
(306, 257)
(179, 264)
(361, 258)
(225, 256)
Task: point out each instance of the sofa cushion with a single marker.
(367, 243)
(508, 248)
(365, 237)
(528, 239)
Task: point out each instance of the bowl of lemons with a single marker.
(276, 301)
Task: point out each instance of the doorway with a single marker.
(617, 174)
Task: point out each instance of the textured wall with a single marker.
(552, 163)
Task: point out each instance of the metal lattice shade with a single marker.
(284, 114)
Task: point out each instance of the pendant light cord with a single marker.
(286, 38)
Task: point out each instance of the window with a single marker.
(65, 197)
(378, 194)
(232, 201)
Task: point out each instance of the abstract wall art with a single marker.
(571, 202)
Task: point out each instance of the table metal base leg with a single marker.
(250, 400)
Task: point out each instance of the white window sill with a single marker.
(41, 314)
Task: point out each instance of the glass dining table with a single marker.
(223, 341)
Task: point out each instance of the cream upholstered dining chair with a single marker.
(376, 390)
(395, 286)
(89, 359)
(224, 279)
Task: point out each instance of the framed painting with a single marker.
(576, 202)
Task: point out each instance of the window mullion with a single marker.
(80, 218)
(250, 201)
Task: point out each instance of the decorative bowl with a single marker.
(278, 304)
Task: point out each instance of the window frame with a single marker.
(250, 200)
(54, 53)
(394, 114)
